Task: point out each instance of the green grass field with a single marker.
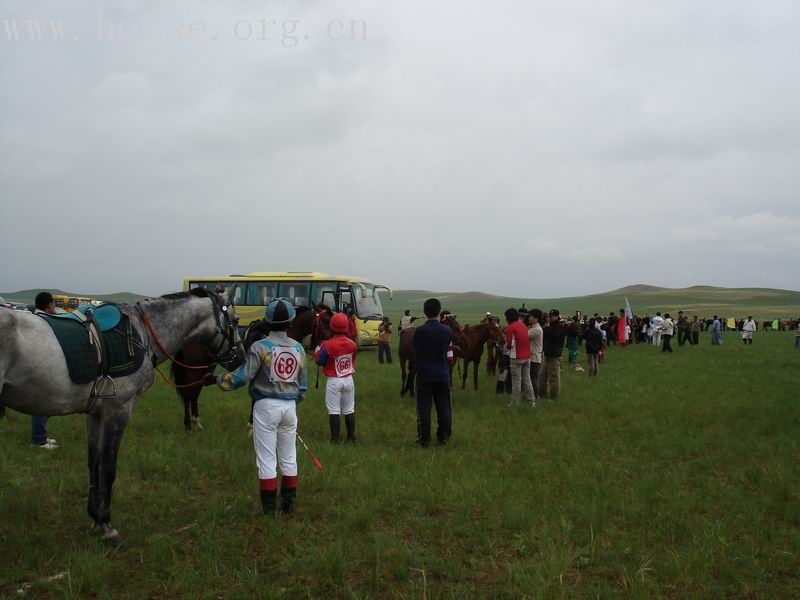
(667, 476)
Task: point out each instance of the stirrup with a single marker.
(94, 393)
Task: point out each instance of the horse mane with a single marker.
(198, 292)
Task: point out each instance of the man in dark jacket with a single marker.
(431, 342)
(554, 335)
(594, 343)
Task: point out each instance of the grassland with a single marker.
(668, 476)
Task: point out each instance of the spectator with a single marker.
(748, 329)
(553, 346)
(384, 341)
(594, 342)
(406, 320)
(519, 348)
(657, 322)
(697, 325)
(573, 335)
(45, 305)
(716, 329)
(667, 331)
(431, 342)
(535, 337)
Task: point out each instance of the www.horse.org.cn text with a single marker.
(285, 32)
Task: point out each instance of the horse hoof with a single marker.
(108, 534)
(196, 424)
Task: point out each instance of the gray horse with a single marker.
(34, 378)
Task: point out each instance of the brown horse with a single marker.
(476, 337)
(405, 352)
(312, 322)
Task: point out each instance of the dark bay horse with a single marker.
(34, 378)
(476, 337)
(405, 353)
(309, 321)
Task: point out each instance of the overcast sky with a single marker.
(535, 149)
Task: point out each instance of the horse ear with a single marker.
(229, 294)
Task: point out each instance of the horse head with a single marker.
(226, 345)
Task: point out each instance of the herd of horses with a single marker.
(468, 344)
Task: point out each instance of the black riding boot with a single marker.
(350, 423)
(268, 502)
(287, 499)
(335, 427)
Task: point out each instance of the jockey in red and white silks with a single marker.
(337, 356)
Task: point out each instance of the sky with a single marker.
(532, 148)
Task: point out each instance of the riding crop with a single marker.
(314, 459)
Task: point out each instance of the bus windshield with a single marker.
(368, 306)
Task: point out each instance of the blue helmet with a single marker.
(280, 310)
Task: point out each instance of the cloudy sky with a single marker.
(530, 148)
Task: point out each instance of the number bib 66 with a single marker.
(344, 365)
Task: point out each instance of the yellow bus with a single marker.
(70, 303)
(303, 288)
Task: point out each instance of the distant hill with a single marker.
(27, 296)
(704, 301)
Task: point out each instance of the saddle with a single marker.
(97, 342)
(106, 316)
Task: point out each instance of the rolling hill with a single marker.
(704, 301)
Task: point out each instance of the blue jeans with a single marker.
(39, 430)
(716, 338)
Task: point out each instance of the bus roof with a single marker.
(283, 275)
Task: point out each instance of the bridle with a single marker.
(226, 328)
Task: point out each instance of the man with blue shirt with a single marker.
(431, 342)
(716, 332)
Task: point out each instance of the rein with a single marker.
(152, 333)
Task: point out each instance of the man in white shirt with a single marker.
(406, 320)
(666, 333)
(748, 329)
(536, 338)
(657, 322)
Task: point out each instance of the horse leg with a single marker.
(464, 374)
(196, 424)
(105, 436)
(187, 421)
(403, 382)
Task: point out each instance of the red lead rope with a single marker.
(152, 333)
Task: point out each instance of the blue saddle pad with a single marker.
(106, 315)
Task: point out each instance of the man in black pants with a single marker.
(431, 341)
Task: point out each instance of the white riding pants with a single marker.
(340, 396)
(274, 433)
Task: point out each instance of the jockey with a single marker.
(275, 369)
(338, 357)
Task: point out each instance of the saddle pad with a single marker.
(122, 354)
(106, 315)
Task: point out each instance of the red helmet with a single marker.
(339, 323)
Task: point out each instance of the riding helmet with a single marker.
(339, 323)
(279, 311)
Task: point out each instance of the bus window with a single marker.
(261, 293)
(324, 293)
(296, 292)
(370, 304)
(346, 300)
